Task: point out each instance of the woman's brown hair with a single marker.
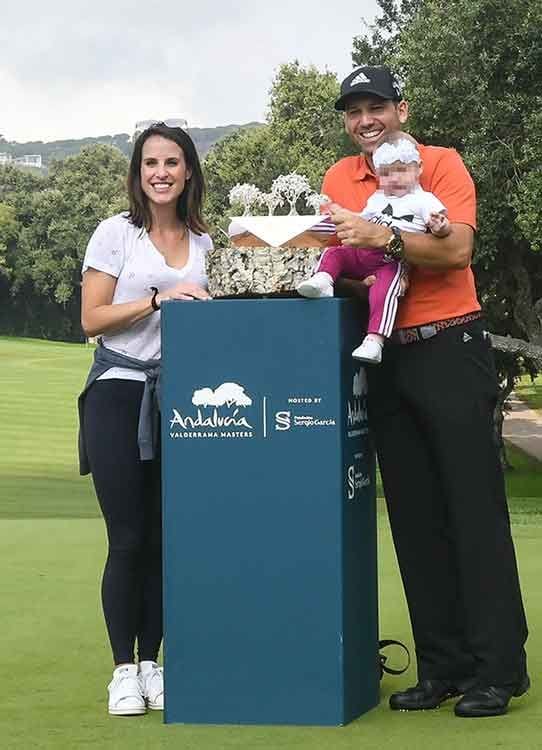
(190, 200)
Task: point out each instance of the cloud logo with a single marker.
(227, 394)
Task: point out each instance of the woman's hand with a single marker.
(183, 290)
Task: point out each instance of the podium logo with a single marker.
(356, 481)
(356, 409)
(226, 394)
(283, 420)
(219, 414)
(351, 483)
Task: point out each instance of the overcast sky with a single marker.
(71, 69)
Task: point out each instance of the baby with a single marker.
(399, 202)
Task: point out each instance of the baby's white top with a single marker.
(409, 213)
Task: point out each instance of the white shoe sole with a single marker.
(128, 711)
(155, 706)
(311, 291)
(367, 360)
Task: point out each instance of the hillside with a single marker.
(204, 138)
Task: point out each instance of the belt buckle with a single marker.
(427, 332)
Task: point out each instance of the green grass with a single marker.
(56, 663)
(524, 487)
(39, 385)
(55, 657)
(530, 391)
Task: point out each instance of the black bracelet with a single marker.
(154, 305)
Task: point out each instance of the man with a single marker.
(431, 409)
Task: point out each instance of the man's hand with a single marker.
(357, 232)
(345, 287)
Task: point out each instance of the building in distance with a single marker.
(28, 160)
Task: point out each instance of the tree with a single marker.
(80, 191)
(9, 231)
(303, 134)
(378, 44)
(473, 77)
(244, 156)
(17, 188)
(304, 128)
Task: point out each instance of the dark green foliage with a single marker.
(243, 156)
(473, 73)
(303, 134)
(55, 218)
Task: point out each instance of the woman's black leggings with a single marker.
(128, 491)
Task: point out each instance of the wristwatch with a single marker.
(395, 247)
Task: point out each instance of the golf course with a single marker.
(56, 657)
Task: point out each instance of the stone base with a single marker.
(239, 271)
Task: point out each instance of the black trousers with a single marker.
(430, 410)
(129, 494)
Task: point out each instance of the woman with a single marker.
(134, 261)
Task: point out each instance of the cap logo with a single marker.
(360, 78)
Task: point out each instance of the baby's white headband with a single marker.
(388, 153)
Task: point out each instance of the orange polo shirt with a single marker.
(432, 295)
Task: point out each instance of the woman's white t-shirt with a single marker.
(126, 252)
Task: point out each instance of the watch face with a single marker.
(395, 246)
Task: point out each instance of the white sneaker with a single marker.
(152, 683)
(319, 285)
(370, 351)
(125, 695)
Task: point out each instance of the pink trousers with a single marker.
(357, 263)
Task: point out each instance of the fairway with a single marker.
(55, 655)
(39, 382)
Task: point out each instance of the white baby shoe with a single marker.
(370, 351)
(319, 285)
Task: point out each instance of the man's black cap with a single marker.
(376, 80)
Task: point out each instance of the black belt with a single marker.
(428, 330)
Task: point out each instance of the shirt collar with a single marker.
(363, 170)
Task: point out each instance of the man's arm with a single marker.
(448, 253)
(423, 250)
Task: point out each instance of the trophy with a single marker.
(270, 254)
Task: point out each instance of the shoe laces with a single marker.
(150, 677)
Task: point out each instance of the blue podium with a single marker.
(270, 586)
